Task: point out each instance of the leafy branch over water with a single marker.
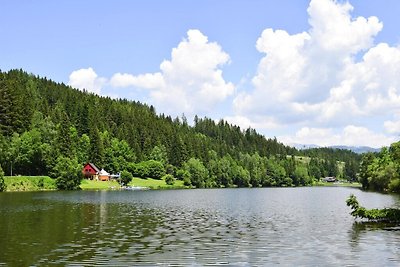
(386, 214)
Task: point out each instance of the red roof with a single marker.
(90, 169)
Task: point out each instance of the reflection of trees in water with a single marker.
(98, 232)
(360, 228)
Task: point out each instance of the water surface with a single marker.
(240, 227)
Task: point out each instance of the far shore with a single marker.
(45, 183)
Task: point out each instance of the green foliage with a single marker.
(97, 152)
(118, 156)
(182, 174)
(169, 179)
(29, 183)
(386, 214)
(198, 173)
(159, 153)
(67, 173)
(2, 183)
(365, 170)
(381, 172)
(148, 169)
(275, 174)
(42, 121)
(314, 169)
(126, 177)
(301, 176)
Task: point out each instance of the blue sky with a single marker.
(317, 72)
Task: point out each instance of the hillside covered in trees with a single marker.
(48, 128)
(381, 171)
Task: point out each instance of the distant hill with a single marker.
(304, 146)
(355, 149)
(358, 149)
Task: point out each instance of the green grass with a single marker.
(99, 185)
(155, 184)
(147, 183)
(341, 184)
(29, 183)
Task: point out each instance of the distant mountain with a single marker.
(355, 149)
(358, 149)
(303, 146)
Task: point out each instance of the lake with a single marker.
(240, 227)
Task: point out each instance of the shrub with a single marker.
(169, 179)
(148, 169)
(67, 173)
(182, 174)
(198, 172)
(187, 181)
(2, 183)
(394, 185)
(126, 177)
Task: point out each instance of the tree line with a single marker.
(48, 128)
(381, 171)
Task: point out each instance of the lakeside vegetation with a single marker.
(44, 183)
(381, 171)
(51, 129)
(376, 215)
(29, 183)
(136, 182)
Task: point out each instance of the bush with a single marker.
(169, 179)
(187, 181)
(126, 177)
(148, 169)
(67, 173)
(394, 185)
(198, 172)
(2, 183)
(182, 174)
(170, 169)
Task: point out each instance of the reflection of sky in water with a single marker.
(291, 226)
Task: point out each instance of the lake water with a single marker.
(239, 227)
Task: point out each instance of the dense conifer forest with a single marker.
(49, 128)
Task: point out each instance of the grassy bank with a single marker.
(99, 185)
(340, 184)
(148, 183)
(39, 183)
(29, 183)
(155, 184)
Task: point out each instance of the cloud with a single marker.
(300, 72)
(190, 82)
(350, 135)
(86, 79)
(332, 75)
(320, 82)
(392, 127)
(260, 123)
(148, 80)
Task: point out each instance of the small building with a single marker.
(329, 179)
(103, 175)
(90, 171)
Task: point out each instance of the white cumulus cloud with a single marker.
(331, 76)
(350, 135)
(190, 82)
(86, 79)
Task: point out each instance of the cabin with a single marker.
(104, 176)
(90, 171)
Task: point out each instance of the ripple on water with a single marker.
(201, 227)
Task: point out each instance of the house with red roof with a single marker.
(90, 171)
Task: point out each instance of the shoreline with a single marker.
(45, 183)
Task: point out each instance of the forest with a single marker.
(49, 128)
(381, 171)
